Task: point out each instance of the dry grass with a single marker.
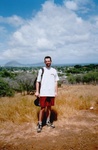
(73, 98)
(18, 109)
(70, 100)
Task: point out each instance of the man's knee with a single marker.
(42, 108)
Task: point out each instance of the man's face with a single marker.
(47, 62)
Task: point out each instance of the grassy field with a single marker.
(70, 100)
(75, 117)
(73, 98)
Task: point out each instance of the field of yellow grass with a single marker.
(70, 99)
(75, 117)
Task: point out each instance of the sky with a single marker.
(66, 30)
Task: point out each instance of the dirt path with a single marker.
(76, 133)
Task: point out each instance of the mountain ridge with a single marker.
(14, 63)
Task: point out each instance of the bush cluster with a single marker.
(11, 82)
(5, 89)
(91, 77)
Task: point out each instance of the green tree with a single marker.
(71, 79)
(5, 89)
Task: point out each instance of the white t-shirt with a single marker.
(49, 78)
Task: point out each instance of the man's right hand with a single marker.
(37, 94)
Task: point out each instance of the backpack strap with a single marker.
(42, 73)
(41, 78)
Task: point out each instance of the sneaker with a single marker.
(39, 128)
(49, 124)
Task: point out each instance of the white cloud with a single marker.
(71, 5)
(55, 30)
(13, 20)
(82, 6)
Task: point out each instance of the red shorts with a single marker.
(46, 101)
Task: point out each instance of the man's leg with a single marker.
(48, 113)
(40, 119)
(48, 123)
(41, 113)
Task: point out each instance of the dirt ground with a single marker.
(79, 132)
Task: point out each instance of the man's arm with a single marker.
(56, 88)
(37, 89)
(37, 93)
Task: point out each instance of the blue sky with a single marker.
(67, 30)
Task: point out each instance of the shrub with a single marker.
(5, 89)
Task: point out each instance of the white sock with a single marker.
(48, 120)
(40, 122)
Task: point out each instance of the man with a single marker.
(48, 91)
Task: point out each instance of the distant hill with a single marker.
(17, 64)
(13, 64)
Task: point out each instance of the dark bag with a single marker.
(36, 102)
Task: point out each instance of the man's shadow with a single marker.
(53, 117)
